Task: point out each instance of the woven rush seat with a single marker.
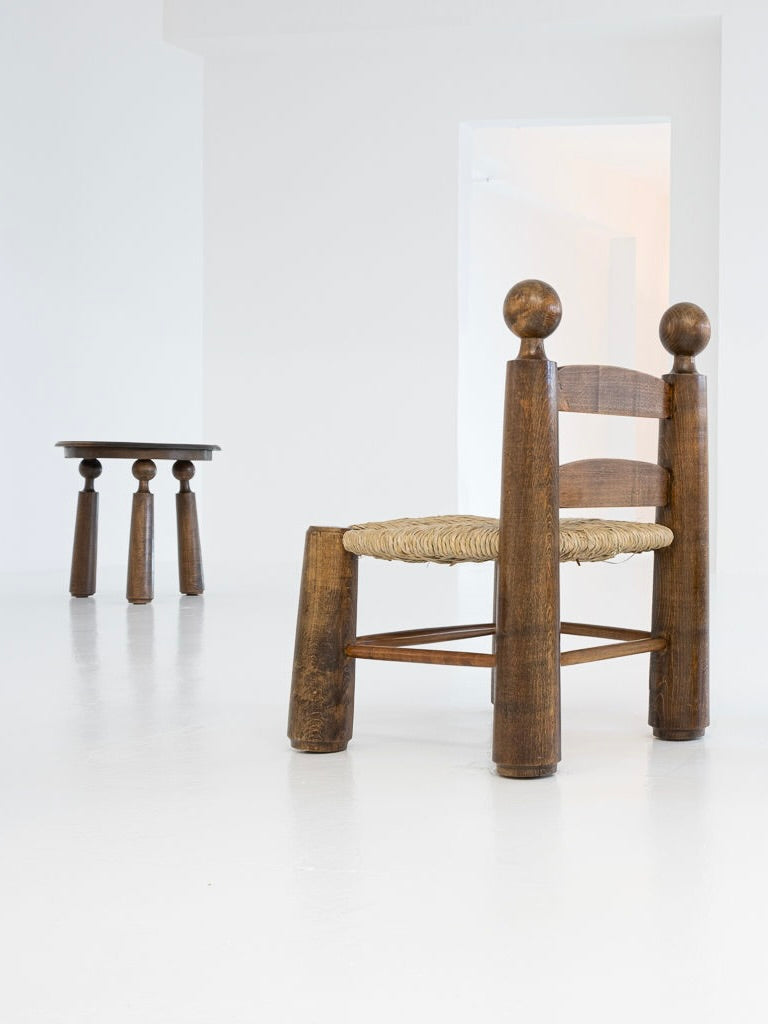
(453, 539)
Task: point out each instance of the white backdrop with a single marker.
(331, 167)
(100, 262)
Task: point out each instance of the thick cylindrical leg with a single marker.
(82, 579)
(679, 675)
(495, 619)
(190, 558)
(323, 685)
(140, 549)
(526, 715)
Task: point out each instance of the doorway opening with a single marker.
(585, 207)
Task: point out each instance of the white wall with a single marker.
(743, 362)
(331, 281)
(345, 122)
(100, 262)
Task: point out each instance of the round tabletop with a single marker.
(137, 450)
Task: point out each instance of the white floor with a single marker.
(167, 859)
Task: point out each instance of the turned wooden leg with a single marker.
(679, 675)
(190, 559)
(140, 548)
(82, 579)
(323, 685)
(526, 710)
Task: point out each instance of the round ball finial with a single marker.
(684, 331)
(532, 311)
(144, 470)
(90, 469)
(183, 469)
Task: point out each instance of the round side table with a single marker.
(82, 581)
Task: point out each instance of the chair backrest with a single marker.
(612, 390)
(537, 389)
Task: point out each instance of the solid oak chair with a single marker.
(528, 542)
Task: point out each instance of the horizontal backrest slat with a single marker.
(602, 483)
(612, 390)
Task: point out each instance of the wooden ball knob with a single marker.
(684, 331)
(532, 309)
(90, 469)
(183, 469)
(144, 470)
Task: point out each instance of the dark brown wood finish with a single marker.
(139, 589)
(612, 483)
(526, 629)
(607, 651)
(604, 632)
(83, 574)
(82, 578)
(684, 332)
(396, 646)
(526, 711)
(136, 450)
(475, 659)
(187, 532)
(612, 390)
(323, 684)
(679, 676)
(429, 635)
(421, 655)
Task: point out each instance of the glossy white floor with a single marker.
(166, 858)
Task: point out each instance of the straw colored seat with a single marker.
(527, 543)
(453, 539)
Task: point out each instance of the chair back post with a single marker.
(526, 731)
(679, 675)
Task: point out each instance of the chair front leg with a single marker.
(323, 684)
(526, 710)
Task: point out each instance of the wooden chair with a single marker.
(528, 542)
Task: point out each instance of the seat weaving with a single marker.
(452, 539)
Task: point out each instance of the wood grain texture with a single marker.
(395, 646)
(136, 450)
(323, 683)
(428, 635)
(443, 634)
(603, 632)
(474, 659)
(679, 676)
(187, 532)
(612, 390)
(532, 310)
(685, 331)
(421, 655)
(607, 651)
(140, 585)
(608, 483)
(82, 577)
(526, 718)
